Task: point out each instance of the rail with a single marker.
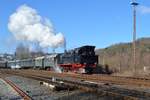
(81, 81)
(24, 95)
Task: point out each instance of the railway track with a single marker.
(96, 78)
(133, 81)
(22, 94)
(104, 90)
(81, 81)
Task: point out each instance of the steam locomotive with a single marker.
(82, 60)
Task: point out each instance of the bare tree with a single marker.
(22, 51)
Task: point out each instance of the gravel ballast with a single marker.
(7, 92)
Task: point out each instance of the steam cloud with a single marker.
(27, 25)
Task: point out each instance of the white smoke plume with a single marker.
(27, 25)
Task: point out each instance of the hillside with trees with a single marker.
(119, 56)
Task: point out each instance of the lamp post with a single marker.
(134, 5)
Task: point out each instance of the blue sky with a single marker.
(93, 22)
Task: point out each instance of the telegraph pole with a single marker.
(134, 5)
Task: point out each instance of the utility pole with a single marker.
(134, 5)
(104, 58)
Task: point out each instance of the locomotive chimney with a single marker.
(65, 50)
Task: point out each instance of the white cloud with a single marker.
(27, 24)
(144, 9)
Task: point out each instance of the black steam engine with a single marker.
(82, 59)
